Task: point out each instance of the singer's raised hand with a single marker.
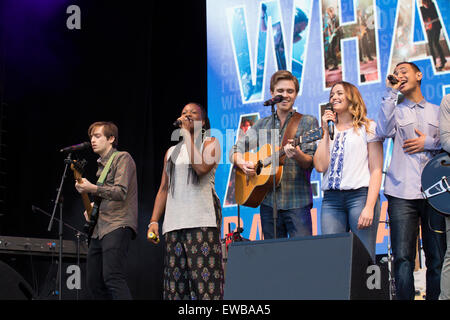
(328, 115)
(321, 158)
(392, 81)
(184, 122)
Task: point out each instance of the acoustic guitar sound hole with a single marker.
(258, 167)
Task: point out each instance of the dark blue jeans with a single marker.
(404, 216)
(106, 265)
(340, 213)
(293, 222)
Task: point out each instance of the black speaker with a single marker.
(328, 267)
(41, 272)
(12, 285)
(73, 280)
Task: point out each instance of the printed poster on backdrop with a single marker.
(320, 42)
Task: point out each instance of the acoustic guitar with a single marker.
(251, 190)
(91, 210)
(436, 183)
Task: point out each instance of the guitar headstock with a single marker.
(312, 135)
(78, 168)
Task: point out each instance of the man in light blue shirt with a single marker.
(414, 127)
(444, 123)
(444, 127)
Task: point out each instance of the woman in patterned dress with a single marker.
(193, 267)
(352, 168)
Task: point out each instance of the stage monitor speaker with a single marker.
(41, 272)
(12, 285)
(328, 267)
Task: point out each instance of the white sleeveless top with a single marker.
(349, 159)
(191, 205)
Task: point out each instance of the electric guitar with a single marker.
(436, 183)
(362, 31)
(429, 24)
(251, 190)
(91, 210)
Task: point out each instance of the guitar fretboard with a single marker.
(280, 153)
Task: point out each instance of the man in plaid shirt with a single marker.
(293, 194)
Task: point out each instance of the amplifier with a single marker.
(45, 247)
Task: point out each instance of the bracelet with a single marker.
(153, 222)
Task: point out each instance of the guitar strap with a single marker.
(291, 130)
(105, 170)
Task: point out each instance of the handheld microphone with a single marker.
(152, 236)
(330, 123)
(178, 123)
(392, 79)
(76, 147)
(274, 100)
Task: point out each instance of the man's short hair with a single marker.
(283, 75)
(109, 130)
(412, 64)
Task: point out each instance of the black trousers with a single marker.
(435, 46)
(106, 266)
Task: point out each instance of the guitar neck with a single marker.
(429, 24)
(281, 153)
(296, 142)
(86, 201)
(311, 136)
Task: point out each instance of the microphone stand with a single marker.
(59, 201)
(77, 232)
(78, 258)
(274, 196)
(60, 253)
(78, 235)
(239, 230)
(390, 259)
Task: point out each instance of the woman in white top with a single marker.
(352, 165)
(192, 217)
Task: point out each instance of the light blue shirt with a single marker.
(444, 123)
(403, 178)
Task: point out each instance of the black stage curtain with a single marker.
(136, 63)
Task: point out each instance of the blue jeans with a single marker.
(445, 274)
(293, 222)
(404, 218)
(340, 213)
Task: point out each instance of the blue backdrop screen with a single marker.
(320, 42)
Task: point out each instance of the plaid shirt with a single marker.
(294, 191)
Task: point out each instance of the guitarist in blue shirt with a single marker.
(293, 194)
